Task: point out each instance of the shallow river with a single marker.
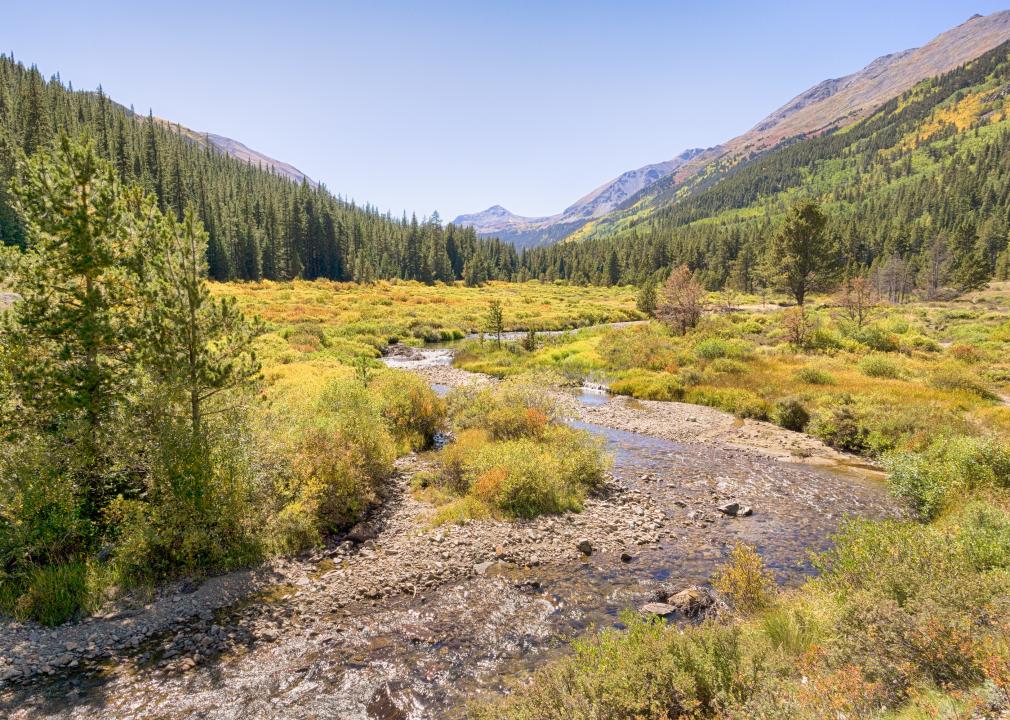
(426, 656)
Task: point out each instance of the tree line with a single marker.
(259, 225)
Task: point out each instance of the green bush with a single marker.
(54, 594)
(876, 338)
(39, 508)
(412, 411)
(877, 366)
(950, 468)
(921, 343)
(727, 366)
(510, 410)
(645, 672)
(648, 385)
(199, 514)
(715, 348)
(813, 376)
(791, 414)
(841, 426)
(525, 477)
(959, 379)
(646, 346)
(742, 403)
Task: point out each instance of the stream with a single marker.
(427, 653)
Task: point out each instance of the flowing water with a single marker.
(427, 655)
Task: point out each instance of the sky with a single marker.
(456, 106)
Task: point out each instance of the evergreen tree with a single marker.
(197, 346)
(73, 328)
(800, 258)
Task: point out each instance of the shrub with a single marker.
(791, 414)
(647, 385)
(958, 379)
(54, 594)
(921, 343)
(841, 427)
(645, 672)
(951, 467)
(39, 516)
(453, 459)
(745, 582)
(716, 348)
(813, 376)
(875, 338)
(511, 410)
(525, 477)
(727, 366)
(966, 353)
(876, 366)
(412, 411)
(742, 403)
(199, 514)
(645, 346)
(790, 630)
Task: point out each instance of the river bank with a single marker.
(407, 621)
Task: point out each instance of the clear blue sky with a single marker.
(454, 106)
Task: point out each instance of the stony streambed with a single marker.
(404, 621)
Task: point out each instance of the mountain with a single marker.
(237, 150)
(253, 157)
(531, 231)
(915, 196)
(826, 106)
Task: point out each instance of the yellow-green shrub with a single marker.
(412, 411)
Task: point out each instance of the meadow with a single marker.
(894, 381)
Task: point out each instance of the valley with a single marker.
(728, 437)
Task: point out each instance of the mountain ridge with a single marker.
(824, 107)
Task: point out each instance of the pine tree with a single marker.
(800, 259)
(73, 327)
(197, 346)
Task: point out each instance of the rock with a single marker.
(657, 608)
(482, 567)
(188, 587)
(744, 511)
(584, 546)
(626, 556)
(692, 601)
(360, 533)
(729, 509)
(269, 635)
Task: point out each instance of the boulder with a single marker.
(692, 601)
(730, 509)
(657, 608)
(584, 546)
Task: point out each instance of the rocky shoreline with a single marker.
(395, 558)
(393, 552)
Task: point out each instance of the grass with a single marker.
(361, 318)
(914, 371)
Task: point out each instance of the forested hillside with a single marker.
(261, 225)
(918, 191)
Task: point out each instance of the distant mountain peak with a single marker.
(526, 231)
